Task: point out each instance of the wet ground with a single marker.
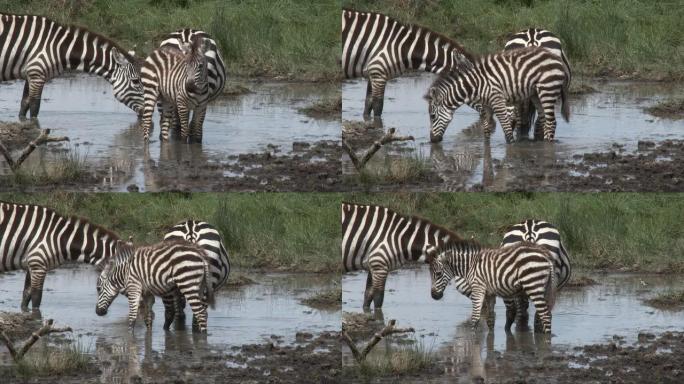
(258, 331)
(600, 332)
(610, 122)
(257, 140)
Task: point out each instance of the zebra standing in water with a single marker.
(546, 235)
(379, 48)
(177, 78)
(38, 239)
(208, 238)
(216, 75)
(379, 240)
(523, 112)
(495, 80)
(507, 272)
(37, 49)
(161, 269)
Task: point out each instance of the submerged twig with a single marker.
(41, 139)
(389, 329)
(46, 329)
(388, 137)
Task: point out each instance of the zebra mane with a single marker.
(458, 244)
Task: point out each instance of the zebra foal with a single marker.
(506, 272)
(497, 80)
(157, 270)
(37, 49)
(177, 78)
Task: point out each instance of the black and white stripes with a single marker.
(496, 80)
(38, 49)
(379, 48)
(39, 239)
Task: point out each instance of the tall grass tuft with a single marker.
(47, 360)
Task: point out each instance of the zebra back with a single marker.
(36, 47)
(53, 239)
(207, 237)
(370, 229)
(537, 37)
(546, 235)
(372, 39)
(215, 67)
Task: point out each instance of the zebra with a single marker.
(216, 73)
(380, 48)
(207, 237)
(38, 239)
(498, 79)
(378, 239)
(523, 112)
(159, 269)
(546, 235)
(177, 78)
(490, 272)
(37, 49)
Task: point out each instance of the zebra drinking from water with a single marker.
(544, 234)
(495, 80)
(523, 112)
(208, 238)
(177, 78)
(380, 48)
(379, 240)
(507, 272)
(38, 239)
(161, 269)
(37, 49)
(216, 76)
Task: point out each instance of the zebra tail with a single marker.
(550, 288)
(209, 286)
(565, 107)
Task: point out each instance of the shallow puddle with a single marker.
(104, 131)
(611, 311)
(613, 114)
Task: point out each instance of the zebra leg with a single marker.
(169, 310)
(378, 83)
(490, 301)
(510, 313)
(146, 119)
(522, 316)
(34, 94)
(539, 122)
(198, 306)
(26, 295)
(499, 108)
(24, 106)
(368, 104)
(478, 297)
(540, 305)
(165, 119)
(489, 124)
(197, 123)
(134, 299)
(368, 294)
(379, 280)
(37, 270)
(183, 115)
(525, 118)
(146, 305)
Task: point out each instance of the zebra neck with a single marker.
(461, 258)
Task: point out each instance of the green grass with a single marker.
(68, 166)
(293, 39)
(297, 232)
(670, 300)
(330, 299)
(611, 231)
(47, 360)
(632, 38)
(412, 168)
(670, 109)
(411, 359)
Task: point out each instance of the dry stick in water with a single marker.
(41, 139)
(46, 329)
(386, 138)
(389, 329)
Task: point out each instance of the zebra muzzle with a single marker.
(436, 294)
(435, 138)
(100, 311)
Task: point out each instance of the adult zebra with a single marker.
(489, 272)
(495, 80)
(37, 49)
(379, 240)
(38, 239)
(208, 238)
(177, 78)
(546, 235)
(533, 37)
(216, 73)
(160, 269)
(379, 48)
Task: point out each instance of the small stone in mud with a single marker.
(303, 336)
(300, 146)
(133, 188)
(643, 145)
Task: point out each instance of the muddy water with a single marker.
(269, 311)
(581, 316)
(614, 114)
(104, 131)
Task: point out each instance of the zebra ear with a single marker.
(119, 57)
(132, 52)
(430, 254)
(461, 61)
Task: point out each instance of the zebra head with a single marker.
(196, 65)
(125, 79)
(440, 112)
(112, 279)
(439, 273)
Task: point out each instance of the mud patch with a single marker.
(17, 135)
(669, 109)
(324, 109)
(18, 325)
(670, 301)
(331, 299)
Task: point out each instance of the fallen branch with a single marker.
(388, 137)
(44, 330)
(40, 140)
(389, 329)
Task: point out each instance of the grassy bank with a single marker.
(298, 232)
(631, 38)
(611, 231)
(291, 39)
